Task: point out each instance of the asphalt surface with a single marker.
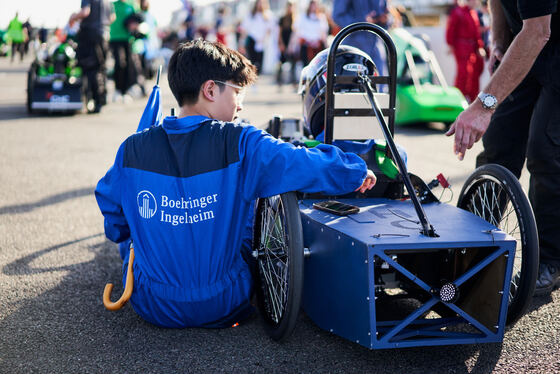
(55, 261)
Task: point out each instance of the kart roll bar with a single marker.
(365, 81)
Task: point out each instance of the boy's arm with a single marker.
(108, 196)
(271, 167)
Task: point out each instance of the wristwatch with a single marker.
(488, 101)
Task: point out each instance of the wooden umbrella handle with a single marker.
(127, 288)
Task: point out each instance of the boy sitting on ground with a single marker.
(184, 191)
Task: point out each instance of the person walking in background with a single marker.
(94, 17)
(151, 42)
(463, 35)
(346, 12)
(219, 26)
(312, 29)
(119, 42)
(256, 28)
(28, 30)
(16, 36)
(285, 44)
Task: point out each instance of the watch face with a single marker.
(489, 101)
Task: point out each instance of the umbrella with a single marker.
(127, 289)
(152, 113)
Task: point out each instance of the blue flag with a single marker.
(153, 114)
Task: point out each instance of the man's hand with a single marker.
(469, 127)
(368, 183)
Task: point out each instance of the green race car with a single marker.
(422, 92)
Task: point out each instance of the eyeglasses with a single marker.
(229, 84)
(240, 90)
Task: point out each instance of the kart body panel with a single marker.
(51, 94)
(433, 104)
(351, 258)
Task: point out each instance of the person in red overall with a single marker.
(464, 37)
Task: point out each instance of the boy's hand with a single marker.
(368, 183)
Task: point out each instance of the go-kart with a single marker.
(54, 81)
(423, 94)
(406, 270)
(4, 49)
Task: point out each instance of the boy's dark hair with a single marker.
(198, 61)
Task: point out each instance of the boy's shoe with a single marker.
(547, 280)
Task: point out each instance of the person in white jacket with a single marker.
(256, 28)
(312, 29)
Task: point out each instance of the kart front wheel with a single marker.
(493, 193)
(278, 249)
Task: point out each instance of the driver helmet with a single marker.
(313, 82)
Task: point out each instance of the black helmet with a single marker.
(313, 81)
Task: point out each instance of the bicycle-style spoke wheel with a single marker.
(278, 247)
(493, 193)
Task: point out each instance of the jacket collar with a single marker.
(184, 124)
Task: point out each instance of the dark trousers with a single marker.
(124, 73)
(92, 53)
(285, 57)
(17, 48)
(526, 126)
(256, 57)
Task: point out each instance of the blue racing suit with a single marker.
(184, 191)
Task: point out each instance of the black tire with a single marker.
(512, 213)
(30, 80)
(279, 256)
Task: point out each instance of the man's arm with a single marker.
(516, 63)
(520, 57)
(501, 34)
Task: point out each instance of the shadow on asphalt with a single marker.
(66, 329)
(538, 302)
(50, 200)
(19, 111)
(9, 112)
(22, 265)
(16, 69)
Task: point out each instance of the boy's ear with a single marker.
(209, 90)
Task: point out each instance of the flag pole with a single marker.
(158, 74)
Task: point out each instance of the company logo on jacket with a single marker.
(177, 211)
(147, 205)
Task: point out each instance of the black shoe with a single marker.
(548, 279)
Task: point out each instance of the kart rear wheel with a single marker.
(493, 193)
(30, 84)
(278, 248)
